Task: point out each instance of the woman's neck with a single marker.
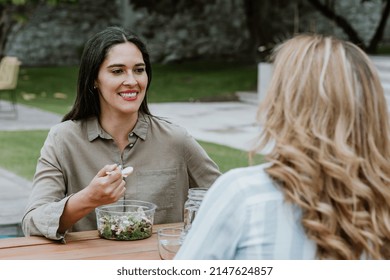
(119, 127)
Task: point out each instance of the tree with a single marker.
(13, 12)
(326, 9)
(193, 29)
(268, 20)
(267, 24)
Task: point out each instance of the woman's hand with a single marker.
(107, 186)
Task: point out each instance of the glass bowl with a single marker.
(125, 220)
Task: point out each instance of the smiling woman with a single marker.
(110, 125)
(121, 85)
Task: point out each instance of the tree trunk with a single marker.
(252, 15)
(258, 16)
(340, 21)
(5, 27)
(376, 39)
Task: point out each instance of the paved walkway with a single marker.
(28, 118)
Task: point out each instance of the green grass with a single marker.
(48, 88)
(228, 158)
(384, 49)
(21, 151)
(199, 81)
(53, 89)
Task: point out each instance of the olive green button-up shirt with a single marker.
(167, 161)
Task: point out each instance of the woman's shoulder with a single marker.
(249, 173)
(252, 179)
(66, 128)
(166, 125)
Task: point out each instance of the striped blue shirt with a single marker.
(244, 216)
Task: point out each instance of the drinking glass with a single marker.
(169, 242)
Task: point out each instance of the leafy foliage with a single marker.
(14, 12)
(327, 9)
(177, 29)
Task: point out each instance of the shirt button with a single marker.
(131, 145)
(131, 134)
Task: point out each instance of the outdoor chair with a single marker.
(9, 71)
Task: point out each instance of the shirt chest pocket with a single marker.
(158, 187)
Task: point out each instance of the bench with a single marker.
(9, 71)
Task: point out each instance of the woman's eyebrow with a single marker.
(115, 65)
(121, 65)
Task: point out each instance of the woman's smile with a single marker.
(129, 95)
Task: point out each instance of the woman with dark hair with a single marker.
(110, 127)
(87, 102)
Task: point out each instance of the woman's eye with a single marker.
(139, 70)
(117, 71)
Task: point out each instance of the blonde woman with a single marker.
(324, 192)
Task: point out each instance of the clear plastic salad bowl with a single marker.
(125, 220)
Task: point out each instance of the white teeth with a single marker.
(128, 95)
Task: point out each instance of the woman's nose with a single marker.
(130, 80)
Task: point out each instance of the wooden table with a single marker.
(81, 246)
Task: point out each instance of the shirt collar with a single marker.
(94, 130)
(142, 126)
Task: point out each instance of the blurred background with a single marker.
(201, 51)
(52, 33)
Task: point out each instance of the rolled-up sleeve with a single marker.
(202, 170)
(48, 198)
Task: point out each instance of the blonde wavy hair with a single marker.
(325, 114)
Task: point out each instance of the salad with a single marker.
(125, 226)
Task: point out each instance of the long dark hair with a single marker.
(87, 102)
